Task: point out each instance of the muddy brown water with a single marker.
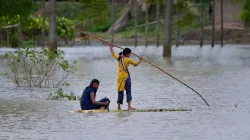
(221, 75)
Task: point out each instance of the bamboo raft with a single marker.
(138, 110)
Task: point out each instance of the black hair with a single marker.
(94, 81)
(124, 52)
(91, 84)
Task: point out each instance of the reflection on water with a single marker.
(221, 75)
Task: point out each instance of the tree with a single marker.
(168, 30)
(43, 21)
(122, 21)
(245, 13)
(213, 24)
(158, 4)
(11, 8)
(52, 26)
(221, 17)
(94, 11)
(202, 7)
(146, 27)
(15, 12)
(184, 16)
(157, 25)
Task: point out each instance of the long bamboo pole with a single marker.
(143, 59)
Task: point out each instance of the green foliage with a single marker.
(3, 43)
(5, 20)
(33, 25)
(33, 67)
(62, 30)
(182, 9)
(14, 41)
(68, 9)
(11, 8)
(203, 3)
(245, 13)
(155, 2)
(101, 28)
(239, 1)
(94, 11)
(60, 95)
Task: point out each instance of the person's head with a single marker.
(95, 83)
(126, 52)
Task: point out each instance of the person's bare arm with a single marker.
(92, 96)
(80, 101)
(140, 59)
(136, 63)
(112, 51)
(111, 47)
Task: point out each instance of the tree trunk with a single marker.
(222, 30)
(1, 38)
(43, 23)
(52, 26)
(157, 25)
(135, 36)
(8, 37)
(168, 29)
(213, 25)
(113, 20)
(177, 38)
(146, 28)
(121, 22)
(201, 24)
(20, 30)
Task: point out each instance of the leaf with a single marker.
(67, 84)
(6, 56)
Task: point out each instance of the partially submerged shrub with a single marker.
(59, 95)
(33, 67)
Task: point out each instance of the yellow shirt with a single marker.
(126, 61)
(122, 74)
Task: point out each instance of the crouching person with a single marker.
(88, 101)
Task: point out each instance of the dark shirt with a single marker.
(86, 99)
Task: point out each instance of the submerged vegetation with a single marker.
(38, 67)
(60, 95)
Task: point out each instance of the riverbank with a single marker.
(192, 37)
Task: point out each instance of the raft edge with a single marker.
(138, 110)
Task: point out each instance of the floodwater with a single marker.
(220, 75)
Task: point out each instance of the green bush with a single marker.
(59, 95)
(35, 67)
